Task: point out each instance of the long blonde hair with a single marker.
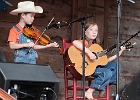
(88, 24)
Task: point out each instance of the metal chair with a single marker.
(71, 77)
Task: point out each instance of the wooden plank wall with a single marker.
(83, 8)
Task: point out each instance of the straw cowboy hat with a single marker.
(26, 6)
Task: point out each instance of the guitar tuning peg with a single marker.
(129, 49)
(134, 43)
(129, 43)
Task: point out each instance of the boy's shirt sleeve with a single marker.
(13, 35)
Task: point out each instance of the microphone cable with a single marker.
(47, 88)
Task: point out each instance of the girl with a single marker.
(103, 74)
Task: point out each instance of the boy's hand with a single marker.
(54, 44)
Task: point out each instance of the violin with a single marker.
(32, 32)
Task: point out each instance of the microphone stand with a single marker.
(6, 2)
(118, 45)
(117, 49)
(82, 20)
(83, 55)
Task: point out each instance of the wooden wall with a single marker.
(88, 8)
(106, 18)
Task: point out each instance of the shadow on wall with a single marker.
(2, 57)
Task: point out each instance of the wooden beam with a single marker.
(106, 14)
(74, 16)
(89, 10)
(53, 1)
(126, 17)
(97, 6)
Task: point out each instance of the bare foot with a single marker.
(101, 93)
(88, 94)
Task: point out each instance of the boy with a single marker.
(18, 41)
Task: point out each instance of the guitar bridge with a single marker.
(86, 62)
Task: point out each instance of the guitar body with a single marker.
(75, 56)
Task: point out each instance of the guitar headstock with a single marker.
(129, 45)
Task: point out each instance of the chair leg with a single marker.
(107, 97)
(66, 89)
(107, 92)
(74, 89)
(66, 84)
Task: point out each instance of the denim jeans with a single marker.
(104, 75)
(20, 55)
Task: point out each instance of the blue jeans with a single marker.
(21, 56)
(104, 75)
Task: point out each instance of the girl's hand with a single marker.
(122, 49)
(115, 56)
(91, 55)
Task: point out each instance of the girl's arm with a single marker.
(115, 56)
(79, 45)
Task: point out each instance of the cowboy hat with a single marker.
(26, 6)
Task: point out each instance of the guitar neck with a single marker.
(101, 53)
(104, 52)
(111, 48)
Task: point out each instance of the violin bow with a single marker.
(40, 35)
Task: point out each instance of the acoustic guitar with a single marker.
(75, 56)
